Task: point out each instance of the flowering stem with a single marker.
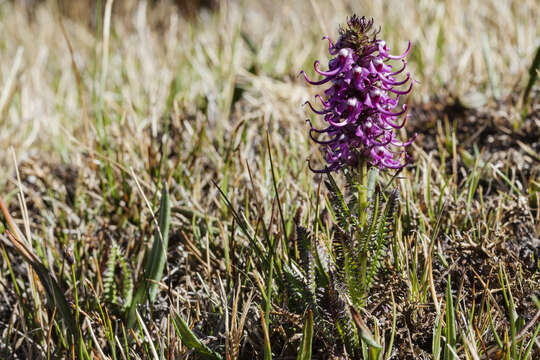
(362, 214)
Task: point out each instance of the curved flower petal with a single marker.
(323, 81)
(320, 112)
(326, 169)
(393, 82)
(320, 131)
(400, 70)
(389, 113)
(331, 49)
(406, 143)
(325, 104)
(399, 57)
(402, 92)
(322, 142)
(327, 73)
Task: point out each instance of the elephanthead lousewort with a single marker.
(360, 105)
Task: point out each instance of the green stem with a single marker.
(366, 186)
(362, 214)
(362, 194)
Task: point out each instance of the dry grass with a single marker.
(191, 101)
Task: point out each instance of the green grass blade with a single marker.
(492, 327)
(267, 346)
(158, 255)
(533, 76)
(531, 343)
(393, 333)
(55, 296)
(436, 345)
(155, 261)
(363, 330)
(191, 341)
(510, 305)
(274, 182)
(450, 323)
(307, 338)
(243, 225)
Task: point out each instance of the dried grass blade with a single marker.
(55, 296)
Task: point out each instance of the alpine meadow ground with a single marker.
(157, 201)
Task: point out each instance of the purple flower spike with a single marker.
(361, 107)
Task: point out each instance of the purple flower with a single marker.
(360, 105)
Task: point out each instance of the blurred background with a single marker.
(213, 51)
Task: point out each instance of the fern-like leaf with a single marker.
(109, 285)
(297, 289)
(341, 210)
(307, 264)
(324, 256)
(350, 272)
(339, 252)
(341, 316)
(384, 229)
(127, 283)
(369, 232)
(306, 256)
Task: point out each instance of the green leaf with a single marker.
(368, 233)
(109, 285)
(158, 255)
(372, 181)
(450, 323)
(127, 283)
(155, 262)
(436, 345)
(339, 206)
(296, 286)
(55, 296)
(191, 341)
(531, 343)
(393, 332)
(365, 333)
(380, 238)
(307, 338)
(533, 76)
